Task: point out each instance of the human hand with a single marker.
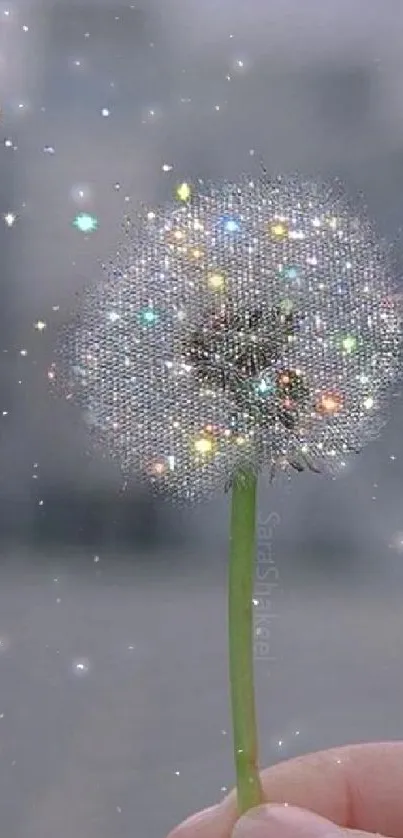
(350, 792)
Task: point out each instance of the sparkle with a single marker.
(289, 272)
(204, 446)
(216, 282)
(279, 230)
(231, 225)
(40, 325)
(149, 317)
(10, 219)
(81, 666)
(349, 343)
(183, 192)
(85, 223)
(329, 403)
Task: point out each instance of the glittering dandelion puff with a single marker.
(250, 326)
(245, 328)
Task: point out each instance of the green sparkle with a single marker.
(349, 344)
(286, 306)
(85, 223)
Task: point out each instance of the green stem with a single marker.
(241, 578)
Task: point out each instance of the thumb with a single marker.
(273, 821)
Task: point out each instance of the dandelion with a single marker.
(250, 328)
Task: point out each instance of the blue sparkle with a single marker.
(289, 272)
(149, 317)
(264, 387)
(231, 225)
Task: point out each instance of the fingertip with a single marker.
(202, 825)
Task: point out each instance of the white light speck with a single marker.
(81, 666)
(40, 325)
(96, 559)
(23, 352)
(178, 773)
(280, 743)
(40, 503)
(393, 457)
(48, 149)
(131, 648)
(9, 218)
(167, 167)
(224, 789)
(25, 28)
(105, 112)
(216, 107)
(118, 809)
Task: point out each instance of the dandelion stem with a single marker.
(241, 576)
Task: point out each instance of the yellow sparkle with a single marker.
(279, 230)
(216, 282)
(203, 445)
(183, 192)
(197, 253)
(178, 235)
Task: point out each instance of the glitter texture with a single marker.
(251, 326)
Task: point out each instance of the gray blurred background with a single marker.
(113, 691)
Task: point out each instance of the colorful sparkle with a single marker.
(329, 403)
(216, 282)
(349, 344)
(279, 230)
(183, 192)
(85, 223)
(149, 317)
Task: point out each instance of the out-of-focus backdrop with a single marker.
(113, 691)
